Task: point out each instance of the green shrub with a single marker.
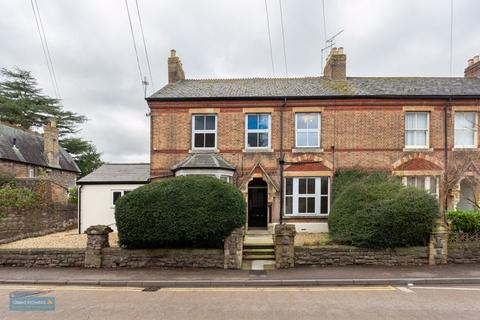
(73, 195)
(464, 221)
(344, 178)
(6, 179)
(17, 197)
(192, 211)
(377, 211)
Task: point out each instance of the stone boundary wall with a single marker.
(21, 223)
(464, 252)
(35, 258)
(162, 258)
(336, 255)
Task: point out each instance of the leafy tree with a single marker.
(23, 103)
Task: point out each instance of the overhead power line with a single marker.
(324, 22)
(283, 38)
(451, 37)
(134, 43)
(45, 48)
(269, 38)
(144, 43)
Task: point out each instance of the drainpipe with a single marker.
(445, 178)
(281, 161)
(79, 199)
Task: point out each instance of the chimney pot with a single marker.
(173, 53)
(476, 59)
(470, 62)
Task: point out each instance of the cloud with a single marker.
(96, 68)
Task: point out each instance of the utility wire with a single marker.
(451, 37)
(283, 38)
(46, 51)
(269, 38)
(324, 22)
(134, 42)
(144, 43)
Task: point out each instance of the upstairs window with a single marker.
(307, 130)
(416, 129)
(307, 196)
(465, 130)
(258, 131)
(204, 132)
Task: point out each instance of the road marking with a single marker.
(404, 289)
(279, 289)
(72, 288)
(448, 288)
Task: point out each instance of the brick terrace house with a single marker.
(29, 156)
(280, 140)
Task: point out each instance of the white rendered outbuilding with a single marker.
(98, 192)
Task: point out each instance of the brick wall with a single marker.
(332, 255)
(20, 223)
(366, 133)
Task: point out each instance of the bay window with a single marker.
(427, 183)
(307, 195)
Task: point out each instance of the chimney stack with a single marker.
(473, 68)
(336, 65)
(175, 69)
(50, 143)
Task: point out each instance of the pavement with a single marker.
(298, 276)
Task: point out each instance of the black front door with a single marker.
(257, 205)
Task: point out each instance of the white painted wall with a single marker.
(96, 204)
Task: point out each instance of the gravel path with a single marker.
(67, 239)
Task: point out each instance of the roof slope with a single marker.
(29, 149)
(203, 161)
(119, 173)
(317, 87)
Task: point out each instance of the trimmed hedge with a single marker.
(464, 221)
(377, 211)
(191, 211)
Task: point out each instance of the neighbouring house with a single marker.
(280, 140)
(98, 191)
(30, 157)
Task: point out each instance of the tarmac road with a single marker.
(379, 302)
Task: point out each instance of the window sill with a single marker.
(465, 149)
(417, 149)
(307, 150)
(214, 150)
(305, 216)
(260, 150)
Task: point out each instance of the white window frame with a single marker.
(296, 195)
(428, 182)
(31, 172)
(475, 131)
(268, 131)
(318, 130)
(427, 139)
(194, 131)
(122, 193)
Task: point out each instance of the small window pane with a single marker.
(313, 139)
(323, 205)
(199, 122)
(252, 139)
(313, 121)
(289, 186)
(422, 120)
(263, 139)
(410, 138)
(209, 140)
(210, 122)
(311, 205)
(433, 185)
(324, 187)
(421, 138)
(421, 183)
(311, 186)
(289, 205)
(116, 196)
(411, 181)
(263, 121)
(252, 121)
(410, 120)
(302, 120)
(302, 139)
(125, 192)
(302, 186)
(302, 205)
(199, 140)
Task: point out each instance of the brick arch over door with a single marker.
(417, 163)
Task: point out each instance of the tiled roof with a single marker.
(203, 161)
(418, 165)
(307, 167)
(118, 173)
(29, 149)
(318, 87)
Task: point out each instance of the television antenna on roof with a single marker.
(330, 43)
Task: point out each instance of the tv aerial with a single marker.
(330, 43)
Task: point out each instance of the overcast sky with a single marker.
(94, 60)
